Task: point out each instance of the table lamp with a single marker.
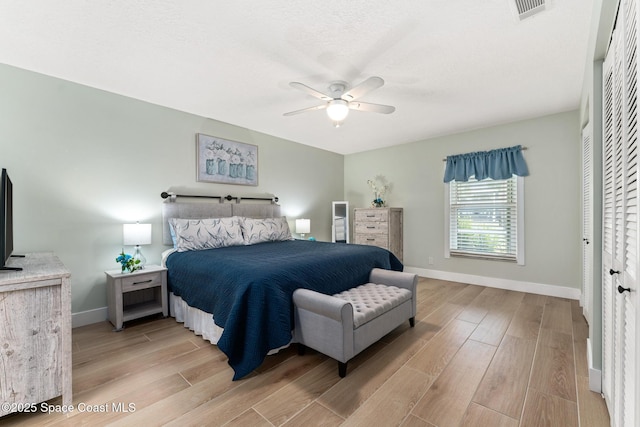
(135, 235)
(303, 226)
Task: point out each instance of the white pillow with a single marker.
(265, 230)
(197, 234)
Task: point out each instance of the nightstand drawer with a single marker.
(141, 281)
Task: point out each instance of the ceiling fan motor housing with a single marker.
(337, 88)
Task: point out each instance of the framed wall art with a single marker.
(226, 162)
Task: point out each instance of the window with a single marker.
(486, 219)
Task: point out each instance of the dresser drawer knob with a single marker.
(144, 281)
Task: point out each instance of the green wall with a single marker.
(552, 197)
(85, 161)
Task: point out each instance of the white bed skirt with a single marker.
(198, 321)
(201, 322)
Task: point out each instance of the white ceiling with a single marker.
(448, 65)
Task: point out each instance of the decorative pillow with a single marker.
(197, 234)
(172, 232)
(265, 230)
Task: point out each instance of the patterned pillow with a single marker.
(197, 234)
(265, 230)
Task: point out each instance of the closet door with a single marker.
(627, 287)
(587, 223)
(620, 376)
(607, 229)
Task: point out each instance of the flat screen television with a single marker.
(6, 221)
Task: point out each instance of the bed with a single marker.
(239, 296)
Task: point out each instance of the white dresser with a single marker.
(379, 227)
(35, 337)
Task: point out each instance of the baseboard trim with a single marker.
(96, 315)
(493, 282)
(88, 317)
(595, 375)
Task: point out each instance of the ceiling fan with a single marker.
(338, 102)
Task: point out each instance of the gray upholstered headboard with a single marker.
(212, 209)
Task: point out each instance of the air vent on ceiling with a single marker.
(527, 8)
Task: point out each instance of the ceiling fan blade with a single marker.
(363, 88)
(304, 110)
(374, 108)
(310, 91)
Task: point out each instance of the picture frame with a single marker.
(226, 162)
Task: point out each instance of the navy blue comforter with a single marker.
(249, 289)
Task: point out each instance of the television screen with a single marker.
(3, 218)
(6, 221)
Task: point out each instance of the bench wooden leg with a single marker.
(342, 369)
(412, 321)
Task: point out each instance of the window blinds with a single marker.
(483, 218)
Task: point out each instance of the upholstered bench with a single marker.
(344, 324)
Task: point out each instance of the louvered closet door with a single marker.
(608, 220)
(618, 218)
(620, 373)
(628, 300)
(587, 222)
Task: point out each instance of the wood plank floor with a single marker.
(476, 357)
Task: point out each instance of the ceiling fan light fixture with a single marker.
(338, 102)
(337, 110)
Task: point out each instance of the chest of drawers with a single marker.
(379, 227)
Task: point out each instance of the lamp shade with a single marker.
(303, 226)
(136, 234)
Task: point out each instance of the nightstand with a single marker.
(138, 294)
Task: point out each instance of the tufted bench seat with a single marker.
(344, 324)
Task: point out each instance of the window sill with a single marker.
(483, 257)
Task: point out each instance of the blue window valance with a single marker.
(495, 164)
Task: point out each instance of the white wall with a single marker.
(84, 161)
(552, 198)
(604, 12)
